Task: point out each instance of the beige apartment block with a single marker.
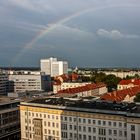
(69, 119)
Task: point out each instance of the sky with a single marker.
(86, 33)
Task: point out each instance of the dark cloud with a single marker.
(98, 33)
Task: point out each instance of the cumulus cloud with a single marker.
(114, 34)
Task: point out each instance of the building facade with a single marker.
(3, 82)
(9, 119)
(53, 67)
(66, 85)
(63, 119)
(124, 84)
(29, 82)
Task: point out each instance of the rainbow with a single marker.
(55, 25)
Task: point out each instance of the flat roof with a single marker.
(85, 105)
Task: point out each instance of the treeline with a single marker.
(110, 80)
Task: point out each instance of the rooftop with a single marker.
(87, 87)
(87, 105)
(120, 95)
(131, 81)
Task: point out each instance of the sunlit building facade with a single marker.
(69, 119)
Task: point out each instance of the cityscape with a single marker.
(69, 70)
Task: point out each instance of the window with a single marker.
(53, 124)
(89, 129)
(89, 121)
(44, 123)
(36, 114)
(71, 135)
(79, 128)
(70, 127)
(94, 130)
(99, 122)
(70, 119)
(109, 123)
(125, 124)
(65, 118)
(120, 133)
(120, 124)
(75, 127)
(132, 136)
(53, 132)
(57, 125)
(115, 132)
(84, 137)
(102, 131)
(75, 135)
(89, 137)
(49, 124)
(114, 123)
(75, 119)
(44, 115)
(64, 126)
(84, 128)
(104, 123)
(84, 120)
(79, 120)
(132, 127)
(125, 133)
(94, 137)
(64, 134)
(80, 136)
(110, 132)
(93, 121)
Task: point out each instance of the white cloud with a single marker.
(114, 34)
(73, 32)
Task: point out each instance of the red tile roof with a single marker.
(65, 77)
(87, 87)
(131, 81)
(120, 95)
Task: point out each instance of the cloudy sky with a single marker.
(86, 33)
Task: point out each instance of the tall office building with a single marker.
(53, 67)
(71, 119)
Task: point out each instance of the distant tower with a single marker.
(53, 67)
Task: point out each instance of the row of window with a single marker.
(42, 115)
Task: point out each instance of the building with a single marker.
(66, 85)
(67, 81)
(53, 67)
(9, 119)
(29, 82)
(122, 74)
(3, 82)
(123, 84)
(86, 90)
(124, 95)
(71, 119)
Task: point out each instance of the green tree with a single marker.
(137, 98)
(111, 81)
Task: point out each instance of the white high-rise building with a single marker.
(53, 67)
